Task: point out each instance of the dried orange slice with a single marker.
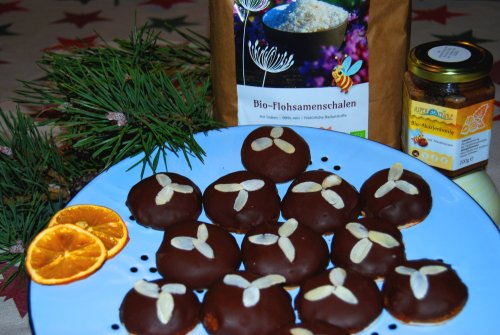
(101, 221)
(62, 254)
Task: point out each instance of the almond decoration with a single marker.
(164, 307)
(199, 243)
(251, 290)
(337, 277)
(395, 172)
(360, 250)
(167, 192)
(264, 239)
(277, 132)
(330, 196)
(242, 188)
(264, 143)
(300, 331)
(163, 295)
(285, 231)
(165, 303)
(419, 282)
(366, 239)
(147, 289)
(241, 200)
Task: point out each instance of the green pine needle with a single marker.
(30, 161)
(139, 97)
(19, 224)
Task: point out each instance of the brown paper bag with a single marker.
(236, 77)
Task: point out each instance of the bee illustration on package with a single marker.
(418, 138)
(343, 71)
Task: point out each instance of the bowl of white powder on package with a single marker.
(303, 26)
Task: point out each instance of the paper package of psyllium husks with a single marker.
(332, 64)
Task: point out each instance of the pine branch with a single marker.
(117, 102)
(36, 179)
(31, 163)
(19, 224)
(189, 58)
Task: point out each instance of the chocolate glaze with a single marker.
(312, 210)
(182, 207)
(317, 328)
(263, 205)
(332, 310)
(192, 268)
(138, 313)
(311, 254)
(274, 162)
(223, 311)
(379, 260)
(446, 295)
(396, 206)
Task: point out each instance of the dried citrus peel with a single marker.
(63, 254)
(100, 221)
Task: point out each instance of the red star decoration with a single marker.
(67, 44)
(165, 4)
(439, 14)
(81, 20)
(495, 72)
(3, 62)
(497, 117)
(11, 7)
(17, 290)
(495, 76)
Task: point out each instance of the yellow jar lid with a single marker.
(450, 61)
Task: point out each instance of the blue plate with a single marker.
(457, 231)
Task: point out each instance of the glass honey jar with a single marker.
(448, 106)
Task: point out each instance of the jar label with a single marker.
(448, 138)
(449, 54)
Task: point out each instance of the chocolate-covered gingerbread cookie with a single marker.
(289, 249)
(276, 152)
(164, 199)
(424, 291)
(369, 246)
(310, 328)
(339, 297)
(241, 200)
(399, 196)
(244, 303)
(321, 200)
(197, 254)
(159, 308)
